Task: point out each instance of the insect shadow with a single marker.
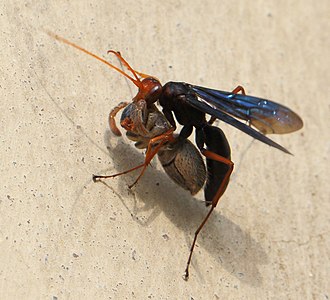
(234, 249)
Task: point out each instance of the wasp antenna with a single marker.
(136, 81)
(124, 62)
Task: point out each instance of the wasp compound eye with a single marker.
(152, 89)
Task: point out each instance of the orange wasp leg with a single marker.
(216, 198)
(163, 138)
(238, 89)
(151, 152)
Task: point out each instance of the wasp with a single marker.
(188, 105)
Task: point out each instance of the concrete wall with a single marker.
(65, 237)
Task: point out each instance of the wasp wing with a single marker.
(207, 107)
(267, 116)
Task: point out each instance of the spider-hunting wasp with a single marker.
(182, 161)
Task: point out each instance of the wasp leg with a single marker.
(215, 200)
(186, 272)
(236, 90)
(219, 168)
(112, 115)
(97, 177)
(152, 150)
(225, 180)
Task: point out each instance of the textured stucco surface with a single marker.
(64, 237)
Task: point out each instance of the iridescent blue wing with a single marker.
(265, 115)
